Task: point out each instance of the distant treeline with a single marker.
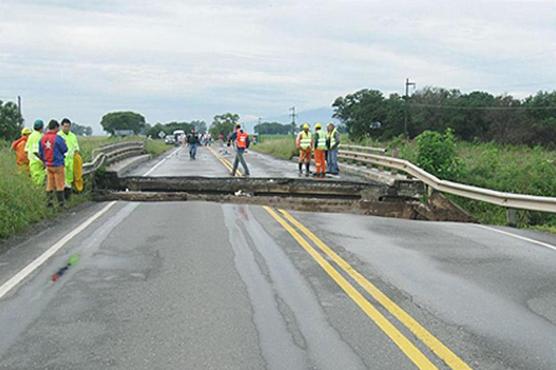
(474, 116)
(169, 127)
(273, 128)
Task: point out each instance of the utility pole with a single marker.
(406, 98)
(19, 104)
(293, 115)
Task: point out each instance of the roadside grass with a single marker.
(508, 168)
(23, 204)
(279, 146)
(156, 147)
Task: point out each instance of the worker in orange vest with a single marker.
(18, 147)
(241, 140)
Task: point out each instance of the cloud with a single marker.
(194, 59)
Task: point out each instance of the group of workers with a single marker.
(52, 156)
(324, 145)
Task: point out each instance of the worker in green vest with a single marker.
(36, 167)
(319, 138)
(73, 147)
(304, 143)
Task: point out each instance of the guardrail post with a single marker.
(511, 217)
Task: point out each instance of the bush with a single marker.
(436, 154)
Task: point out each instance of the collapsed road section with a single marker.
(359, 197)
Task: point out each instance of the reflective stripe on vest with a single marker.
(305, 140)
(321, 141)
(332, 137)
(241, 140)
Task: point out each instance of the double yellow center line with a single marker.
(295, 229)
(224, 161)
(302, 234)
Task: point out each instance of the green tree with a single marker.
(474, 116)
(173, 126)
(11, 121)
(153, 131)
(223, 124)
(123, 121)
(80, 130)
(358, 112)
(200, 126)
(541, 111)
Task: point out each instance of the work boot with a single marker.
(67, 194)
(300, 168)
(60, 198)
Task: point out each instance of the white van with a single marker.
(179, 136)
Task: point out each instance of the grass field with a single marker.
(23, 204)
(279, 146)
(509, 168)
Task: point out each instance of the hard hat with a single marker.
(38, 125)
(25, 131)
(318, 126)
(305, 126)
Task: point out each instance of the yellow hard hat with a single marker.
(305, 126)
(317, 125)
(25, 131)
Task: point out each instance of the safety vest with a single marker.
(71, 142)
(305, 140)
(321, 140)
(18, 147)
(32, 146)
(332, 137)
(241, 140)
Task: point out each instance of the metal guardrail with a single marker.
(112, 153)
(365, 149)
(509, 200)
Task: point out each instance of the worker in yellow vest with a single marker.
(36, 167)
(304, 143)
(73, 147)
(319, 138)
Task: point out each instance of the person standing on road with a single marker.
(192, 141)
(241, 140)
(304, 142)
(332, 144)
(320, 151)
(73, 147)
(52, 149)
(18, 147)
(36, 167)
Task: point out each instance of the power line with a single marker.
(424, 105)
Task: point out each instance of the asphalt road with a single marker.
(194, 285)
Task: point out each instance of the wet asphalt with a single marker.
(191, 285)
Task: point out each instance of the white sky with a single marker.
(184, 60)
